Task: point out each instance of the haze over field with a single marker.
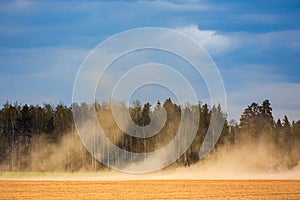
(256, 148)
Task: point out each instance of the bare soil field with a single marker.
(150, 189)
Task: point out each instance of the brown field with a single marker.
(150, 189)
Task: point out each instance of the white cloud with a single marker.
(218, 43)
(213, 41)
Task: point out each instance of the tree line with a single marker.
(44, 138)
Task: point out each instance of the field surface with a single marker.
(150, 189)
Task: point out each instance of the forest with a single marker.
(44, 138)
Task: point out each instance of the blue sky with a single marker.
(256, 45)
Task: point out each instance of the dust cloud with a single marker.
(255, 159)
(247, 161)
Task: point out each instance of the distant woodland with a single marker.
(44, 138)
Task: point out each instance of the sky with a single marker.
(254, 44)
